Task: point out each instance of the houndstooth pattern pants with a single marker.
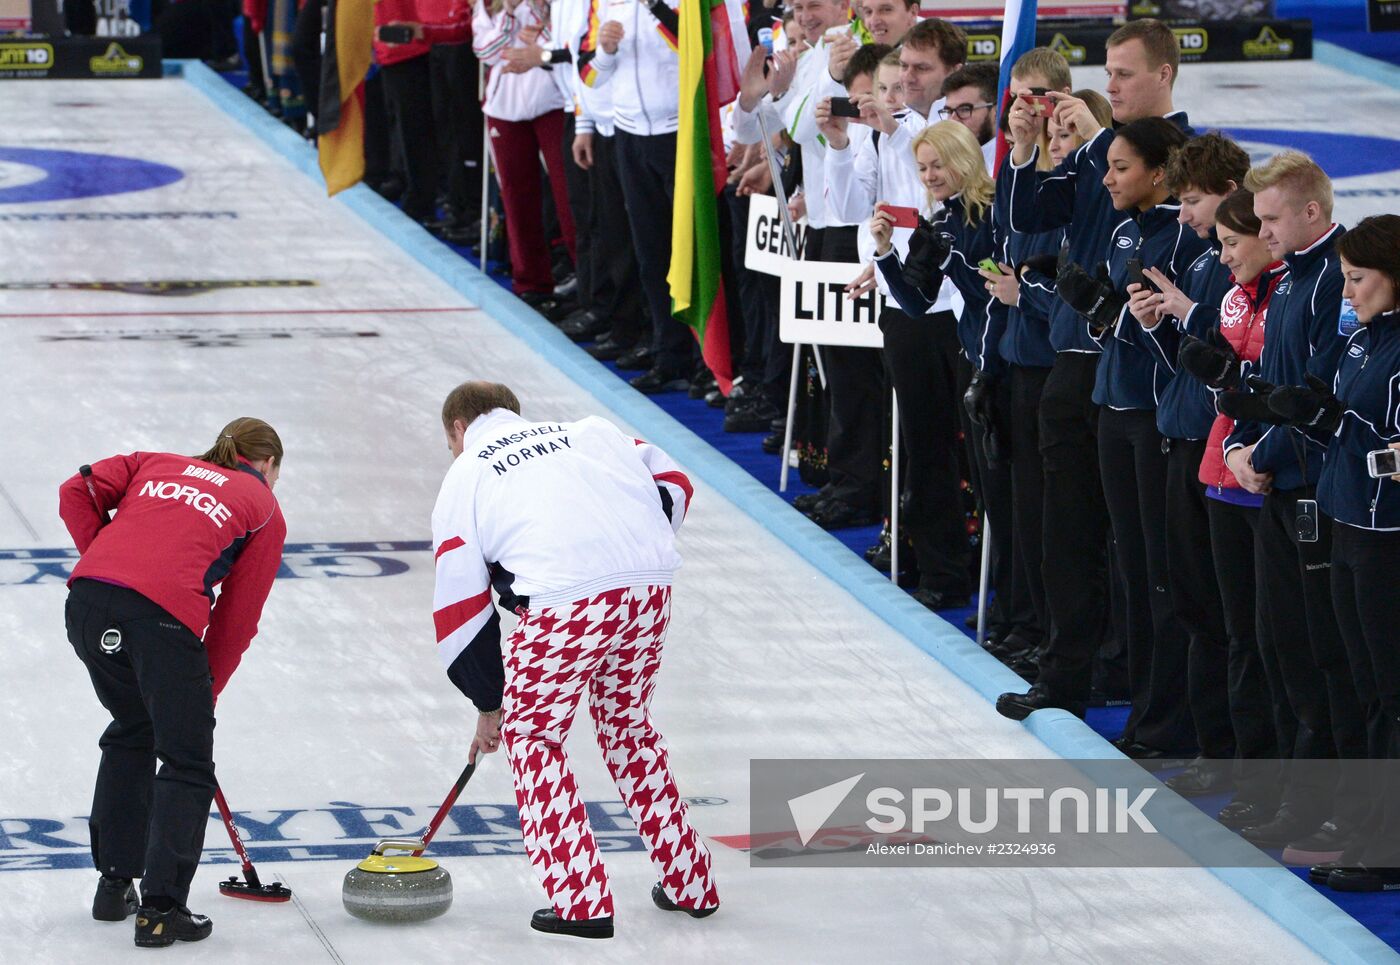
(610, 646)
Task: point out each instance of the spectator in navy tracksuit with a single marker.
(1362, 417)
(1307, 331)
(1132, 461)
(1201, 175)
(142, 616)
(1025, 283)
(1260, 715)
(1142, 63)
(952, 168)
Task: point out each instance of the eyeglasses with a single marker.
(963, 111)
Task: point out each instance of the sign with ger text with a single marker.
(767, 248)
(815, 310)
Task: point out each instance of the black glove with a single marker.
(1047, 265)
(978, 400)
(1095, 298)
(1211, 359)
(928, 250)
(1249, 406)
(1313, 406)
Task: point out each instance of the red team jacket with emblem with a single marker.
(181, 528)
(1243, 312)
(546, 513)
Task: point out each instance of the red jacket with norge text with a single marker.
(182, 527)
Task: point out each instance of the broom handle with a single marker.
(249, 873)
(446, 806)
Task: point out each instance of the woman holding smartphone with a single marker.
(1358, 415)
(952, 171)
(1132, 456)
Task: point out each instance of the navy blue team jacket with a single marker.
(1130, 377)
(983, 318)
(1368, 383)
(1071, 196)
(1186, 408)
(1304, 335)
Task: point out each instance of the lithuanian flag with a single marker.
(709, 78)
(340, 117)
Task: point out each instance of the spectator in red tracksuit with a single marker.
(1259, 710)
(141, 615)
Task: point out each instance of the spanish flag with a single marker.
(340, 117)
(709, 78)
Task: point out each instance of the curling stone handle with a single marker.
(398, 844)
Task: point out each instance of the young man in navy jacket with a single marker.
(1308, 326)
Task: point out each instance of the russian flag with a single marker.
(1017, 37)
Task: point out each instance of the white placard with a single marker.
(814, 309)
(767, 249)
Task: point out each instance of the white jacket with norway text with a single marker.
(546, 513)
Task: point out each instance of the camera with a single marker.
(1305, 519)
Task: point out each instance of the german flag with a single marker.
(340, 117)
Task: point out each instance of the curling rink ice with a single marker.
(341, 727)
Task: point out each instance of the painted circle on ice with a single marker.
(30, 174)
(1341, 155)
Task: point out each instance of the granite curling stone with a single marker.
(397, 889)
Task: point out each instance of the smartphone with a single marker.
(844, 107)
(396, 34)
(902, 217)
(1383, 462)
(989, 264)
(1040, 104)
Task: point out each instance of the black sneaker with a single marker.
(639, 358)
(938, 600)
(1324, 846)
(878, 554)
(115, 899)
(660, 900)
(549, 922)
(756, 416)
(703, 382)
(1207, 776)
(156, 929)
(839, 514)
(610, 347)
(1285, 827)
(659, 380)
(773, 442)
(807, 502)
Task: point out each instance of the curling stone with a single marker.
(393, 888)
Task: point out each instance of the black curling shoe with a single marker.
(549, 922)
(156, 928)
(115, 899)
(659, 899)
